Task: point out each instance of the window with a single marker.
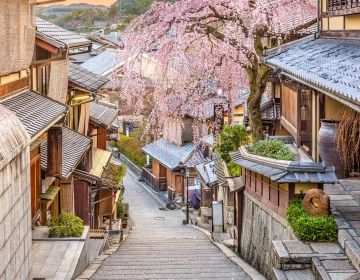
(43, 75)
(335, 5)
(35, 181)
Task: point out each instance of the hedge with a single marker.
(131, 148)
(310, 228)
(65, 225)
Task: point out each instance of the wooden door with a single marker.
(179, 185)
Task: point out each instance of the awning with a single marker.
(37, 112)
(100, 159)
(74, 147)
(50, 193)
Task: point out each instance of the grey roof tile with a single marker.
(35, 111)
(102, 64)
(206, 171)
(74, 147)
(332, 65)
(85, 79)
(169, 154)
(58, 36)
(308, 172)
(219, 170)
(102, 114)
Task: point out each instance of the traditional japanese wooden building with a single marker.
(319, 77)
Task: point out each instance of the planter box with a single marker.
(60, 258)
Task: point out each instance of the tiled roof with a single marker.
(169, 154)
(35, 111)
(102, 64)
(100, 158)
(219, 170)
(102, 114)
(110, 176)
(74, 146)
(85, 79)
(58, 36)
(82, 57)
(206, 172)
(295, 172)
(329, 65)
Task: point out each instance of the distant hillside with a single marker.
(59, 10)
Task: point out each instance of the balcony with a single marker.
(158, 184)
(343, 7)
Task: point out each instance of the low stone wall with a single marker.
(59, 258)
(260, 227)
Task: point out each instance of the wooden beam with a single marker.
(36, 3)
(14, 86)
(46, 46)
(54, 156)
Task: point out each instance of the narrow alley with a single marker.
(160, 247)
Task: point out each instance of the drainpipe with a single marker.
(318, 18)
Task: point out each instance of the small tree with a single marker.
(231, 138)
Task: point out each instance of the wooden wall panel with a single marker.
(289, 105)
(101, 138)
(81, 198)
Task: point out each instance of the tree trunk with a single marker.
(257, 78)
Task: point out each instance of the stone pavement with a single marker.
(345, 207)
(160, 247)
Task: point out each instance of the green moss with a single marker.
(272, 149)
(310, 228)
(65, 225)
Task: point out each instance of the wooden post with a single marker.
(54, 155)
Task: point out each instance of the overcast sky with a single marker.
(101, 2)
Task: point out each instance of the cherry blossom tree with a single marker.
(198, 48)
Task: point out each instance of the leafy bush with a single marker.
(65, 225)
(233, 168)
(231, 138)
(310, 228)
(131, 148)
(121, 209)
(272, 149)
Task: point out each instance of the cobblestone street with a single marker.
(160, 247)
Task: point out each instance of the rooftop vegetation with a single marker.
(275, 149)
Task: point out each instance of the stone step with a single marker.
(332, 269)
(303, 274)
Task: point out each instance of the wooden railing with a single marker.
(336, 5)
(158, 184)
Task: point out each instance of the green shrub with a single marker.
(272, 149)
(121, 209)
(231, 138)
(65, 225)
(234, 169)
(310, 228)
(131, 148)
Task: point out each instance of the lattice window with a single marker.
(336, 5)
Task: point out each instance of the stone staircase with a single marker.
(310, 261)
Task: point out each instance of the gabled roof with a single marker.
(102, 64)
(59, 37)
(169, 154)
(74, 147)
(85, 79)
(331, 66)
(34, 110)
(283, 171)
(206, 171)
(102, 114)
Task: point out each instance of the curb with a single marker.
(252, 272)
(98, 261)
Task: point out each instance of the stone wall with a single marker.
(15, 210)
(260, 227)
